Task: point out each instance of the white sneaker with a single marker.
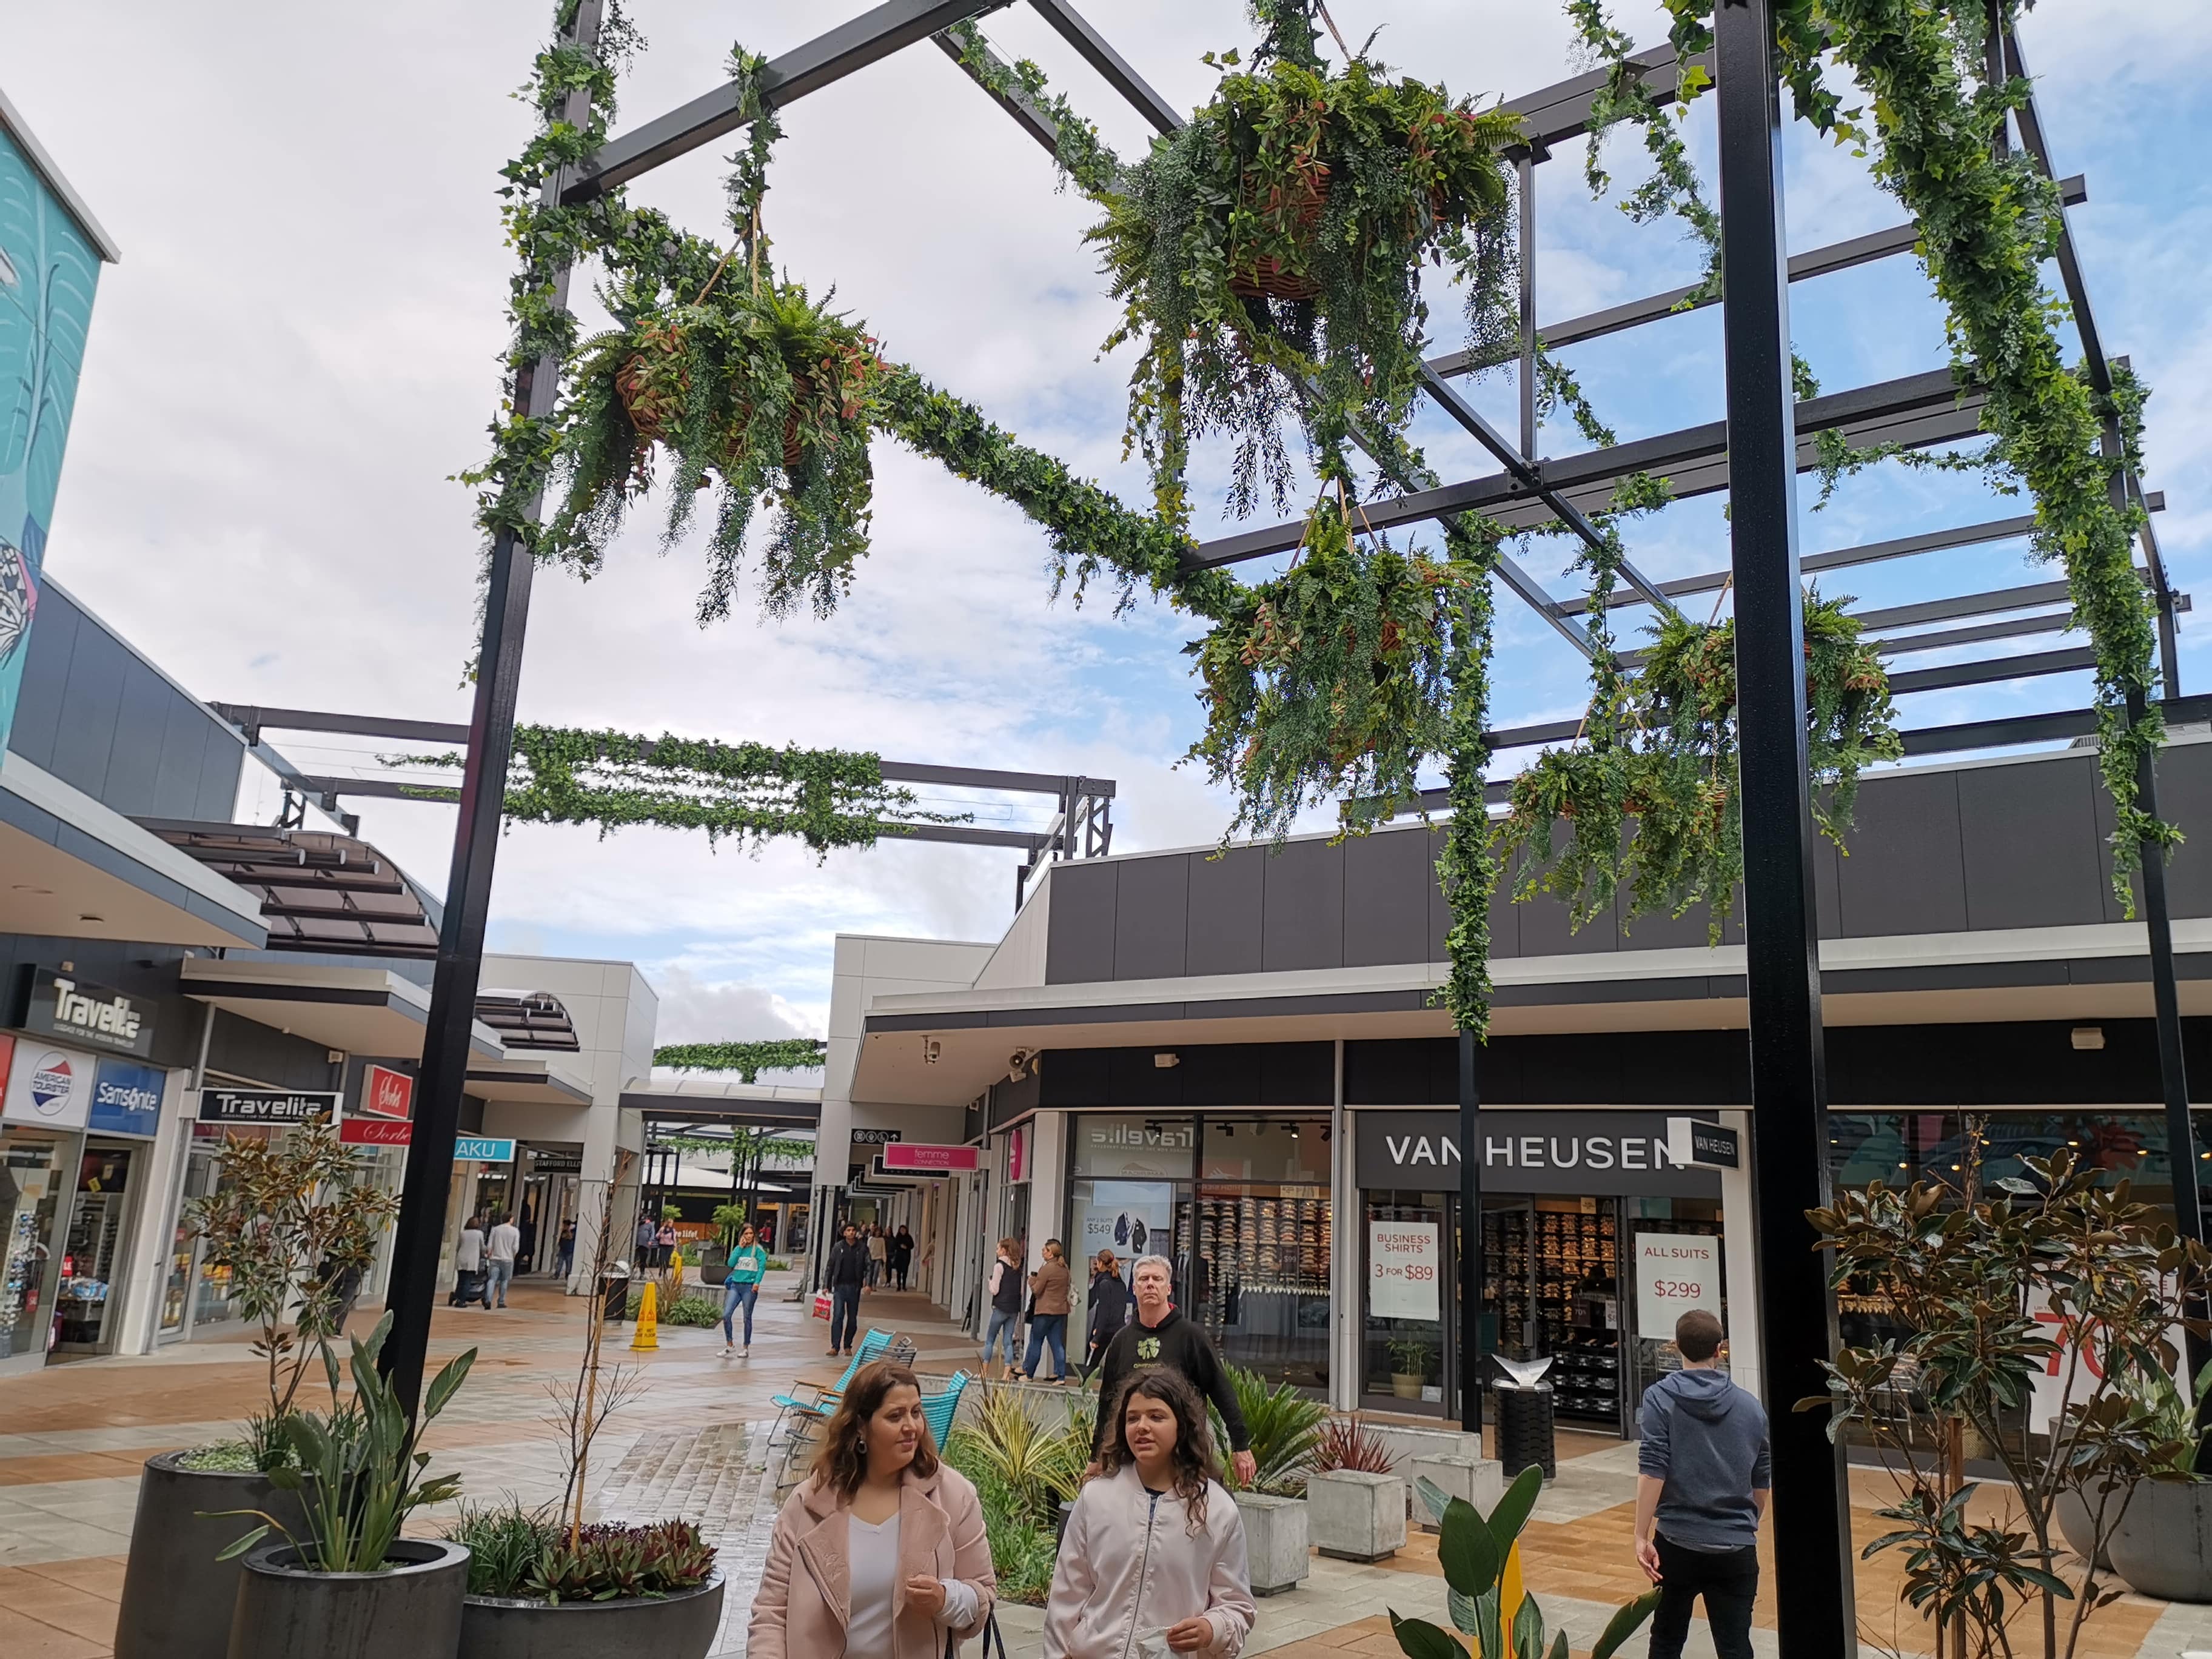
(727, 1351)
(748, 1353)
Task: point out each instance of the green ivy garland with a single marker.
(827, 797)
(1467, 867)
(748, 1059)
(1987, 222)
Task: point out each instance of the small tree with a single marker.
(2058, 1275)
(297, 1228)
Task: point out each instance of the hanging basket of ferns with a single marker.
(1325, 683)
(759, 393)
(1269, 257)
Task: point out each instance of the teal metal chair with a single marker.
(873, 1346)
(938, 1410)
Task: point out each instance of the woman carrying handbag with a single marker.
(880, 1553)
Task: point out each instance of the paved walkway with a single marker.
(692, 1444)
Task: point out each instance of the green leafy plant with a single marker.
(1345, 1443)
(1040, 1469)
(1985, 1286)
(357, 1467)
(1413, 1356)
(1988, 219)
(506, 1544)
(1268, 255)
(295, 1222)
(747, 1059)
(229, 1457)
(610, 1561)
(1661, 751)
(1472, 1550)
(729, 1221)
(1023, 1552)
(1284, 1426)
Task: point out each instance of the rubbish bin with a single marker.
(614, 1290)
(1524, 1429)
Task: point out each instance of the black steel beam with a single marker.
(2006, 627)
(1814, 262)
(1027, 115)
(1551, 115)
(1967, 604)
(1811, 1494)
(982, 777)
(822, 62)
(1095, 51)
(1991, 671)
(251, 720)
(1589, 476)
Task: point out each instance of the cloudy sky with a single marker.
(300, 348)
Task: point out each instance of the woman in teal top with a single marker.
(741, 1287)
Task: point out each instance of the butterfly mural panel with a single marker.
(48, 271)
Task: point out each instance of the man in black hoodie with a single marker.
(1161, 1336)
(1701, 1488)
(846, 1271)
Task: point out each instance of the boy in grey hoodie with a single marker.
(1701, 1486)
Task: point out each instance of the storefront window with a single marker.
(32, 1188)
(1409, 1290)
(92, 1254)
(1259, 1228)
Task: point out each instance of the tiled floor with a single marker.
(692, 1444)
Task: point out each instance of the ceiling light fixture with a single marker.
(2088, 1036)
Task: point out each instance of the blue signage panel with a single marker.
(126, 1098)
(48, 269)
(484, 1149)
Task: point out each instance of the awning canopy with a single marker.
(534, 1020)
(362, 1011)
(317, 891)
(528, 1078)
(745, 1104)
(73, 868)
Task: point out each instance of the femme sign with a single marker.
(921, 1159)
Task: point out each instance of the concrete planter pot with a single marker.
(1406, 1385)
(2077, 1524)
(679, 1626)
(1354, 1516)
(177, 1597)
(1275, 1540)
(411, 1610)
(1477, 1480)
(2163, 1544)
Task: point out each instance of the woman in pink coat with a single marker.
(880, 1553)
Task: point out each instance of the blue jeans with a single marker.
(1000, 1320)
(735, 1296)
(1046, 1330)
(498, 1275)
(844, 1315)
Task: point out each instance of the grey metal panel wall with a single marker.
(1970, 849)
(98, 716)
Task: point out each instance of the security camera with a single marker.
(931, 1048)
(1015, 1061)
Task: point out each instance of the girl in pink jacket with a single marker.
(880, 1553)
(1153, 1557)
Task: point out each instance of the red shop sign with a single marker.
(386, 1093)
(908, 1155)
(369, 1132)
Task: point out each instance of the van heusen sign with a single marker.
(1597, 1152)
(77, 1011)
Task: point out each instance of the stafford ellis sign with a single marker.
(1562, 1153)
(64, 1006)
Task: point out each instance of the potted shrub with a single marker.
(1409, 1357)
(1284, 1426)
(296, 1234)
(1026, 1475)
(715, 1259)
(539, 1589)
(2161, 1543)
(347, 1583)
(1355, 1502)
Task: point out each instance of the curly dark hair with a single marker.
(1193, 1458)
(842, 1462)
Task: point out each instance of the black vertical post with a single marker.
(1525, 168)
(421, 1222)
(1788, 1085)
(1470, 1236)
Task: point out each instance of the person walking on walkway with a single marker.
(1160, 1336)
(741, 1286)
(1110, 1310)
(499, 1259)
(880, 1253)
(526, 1258)
(1155, 1547)
(848, 1271)
(902, 1255)
(1049, 1314)
(564, 1251)
(645, 1235)
(880, 1553)
(469, 1265)
(664, 1244)
(1005, 1291)
(1701, 1487)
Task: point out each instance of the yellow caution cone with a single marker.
(648, 1318)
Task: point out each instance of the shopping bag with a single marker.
(822, 1304)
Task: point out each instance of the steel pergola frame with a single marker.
(1755, 453)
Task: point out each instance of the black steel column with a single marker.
(1470, 1236)
(1817, 1618)
(421, 1224)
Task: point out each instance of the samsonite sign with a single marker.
(126, 1098)
(1565, 1153)
(48, 1088)
(76, 1009)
